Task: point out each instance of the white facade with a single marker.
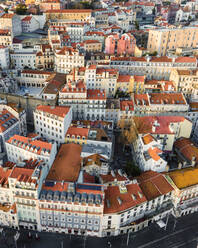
(50, 125)
(68, 58)
(4, 57)
(21, 148)
(23, 58)
(29, 24)
(148, 154)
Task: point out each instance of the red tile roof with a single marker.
(96, 94)
(69, 11)
(153, 152)
(186, 60)
(91, 41)
(123, 78)
(126, 105)
(37, 72)
(54, 110)
(78, 131)
(5, 120)
(20, 141)
(111, 178)
(58, 186)
(141, 99)
(116, 202)
(27, 19)
(187, 148)
(67, 164)
(139, 78)
(167, 98)
(7, 15)
(163, 121)
(154, 184)
(4, 174)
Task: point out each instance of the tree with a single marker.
(132, 170)
(21, 9)
(137, 26)
(130, 129)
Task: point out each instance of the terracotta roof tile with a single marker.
(116, 202)
(154, 184)
(60, 111)
(67, 164)
(78, 131)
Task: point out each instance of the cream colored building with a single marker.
(69, 14)
(185, 80)
(165, 129)
(161, 40)
(67, 58)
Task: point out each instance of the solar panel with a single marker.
(49, 184)
(89, 187)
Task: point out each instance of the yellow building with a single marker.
(92, 46)
(185, 80)
(69, 14)
(77, 135)
(125, 83)
(138, 84)
(161, 40)
(45, 57)
(29, 2)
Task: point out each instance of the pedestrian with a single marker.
(109, 244)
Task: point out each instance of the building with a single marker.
(86, 104)
(52, 122)
(161, 40)
(124, 203)
(101, 78)
(9, 126)
(185, 80)
(78, 208)
(159, 193)
(33, 78)
(45, 57)
(92, 46)
(20, 148)
(12, 22)
(185, 184)
(29, 24)
(149, 155)
(80, 15)
(25, 183)
(95, 165)
(23, 57)
(4, 57)
(123, 45)
(160, 103)
(165, 129)
(19, 113)
(152, 67)
(5, 37)
(50, 5)
(67, 58)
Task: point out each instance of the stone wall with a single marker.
(27, 102)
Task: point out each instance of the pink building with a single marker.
(50, 5)
(126, 45)
(110, 44)
(121, 46)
